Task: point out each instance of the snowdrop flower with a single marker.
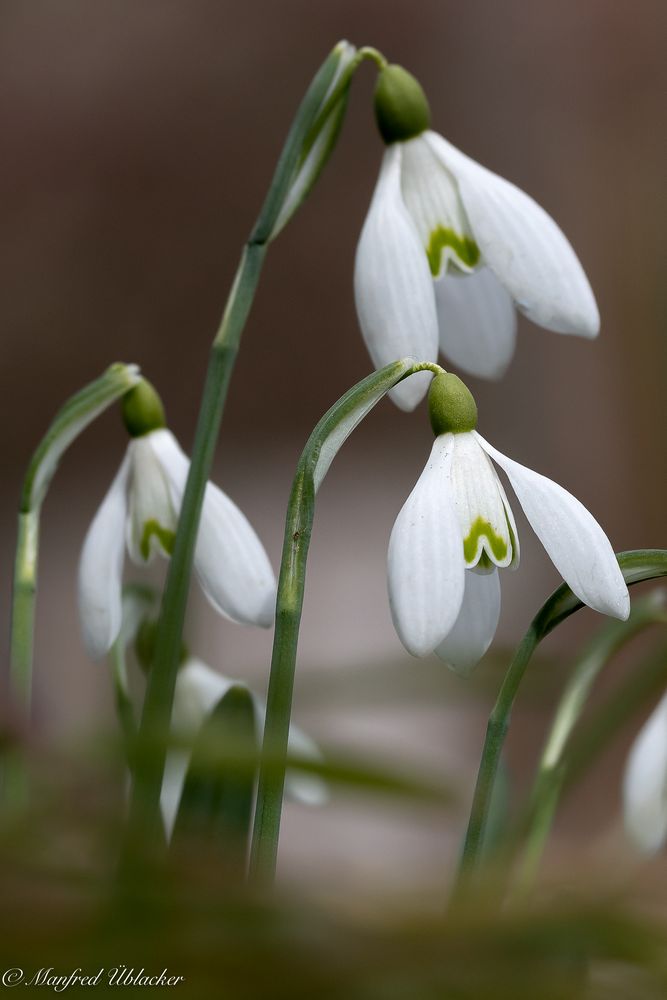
(198, 690)
(457, 529)
(140, 512)
(448, 249)
(645, 784)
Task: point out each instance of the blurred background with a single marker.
(138, 142)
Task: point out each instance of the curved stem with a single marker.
(321, 448)
(636, 566)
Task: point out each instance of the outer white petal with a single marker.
(477, 321)
(523, 245)
(101, 569)
(425, 563)
(232, 566)
(645, 784)
(392, 284)
(299, 785)
(575, 542)
(476, 624)
(302, 787)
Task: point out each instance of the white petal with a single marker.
(575, 542)
(481, 505)
(198, 690)
(523, 246)
(425, 563)
(299, 785)
(393, 286)
(151, 525)
(232, 566)
(645, 784)
(101, 569)
(432, 198)
(477, 321)
(476, 624)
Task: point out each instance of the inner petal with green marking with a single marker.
(164, 536)
(482, 535)
(487, 526)
(432, 198)
(151, 511)
(459, 252)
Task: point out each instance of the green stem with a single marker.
(551, 773)
(144, 814)
(72, 418)
(636, 566)
(291, 584)
(321, 448)
(23, 607)
(156, 715)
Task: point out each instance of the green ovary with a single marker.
(465, 249)
(164, 536)
(481, 528)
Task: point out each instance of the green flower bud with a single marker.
(143, 410)
(451, 405)
(401, 108)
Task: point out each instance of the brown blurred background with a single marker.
(138, 139)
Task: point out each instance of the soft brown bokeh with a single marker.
(138, 140)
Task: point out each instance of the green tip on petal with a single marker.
(143, 411)
(451, 405)
(401, 108)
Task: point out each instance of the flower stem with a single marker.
(636, 566)
(73, 417)
(144, 814)
(23, 607)
(149, 763)
(321, 448)
(551, 771)
(291, 585)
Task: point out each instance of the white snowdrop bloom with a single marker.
(198, 690)
(645, 784)
(141, 511)
(448, 249)
(457, 529)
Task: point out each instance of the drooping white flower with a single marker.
(198, 690)
(448, 249)
(140, 512)
(645, 784)
(457, 529)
